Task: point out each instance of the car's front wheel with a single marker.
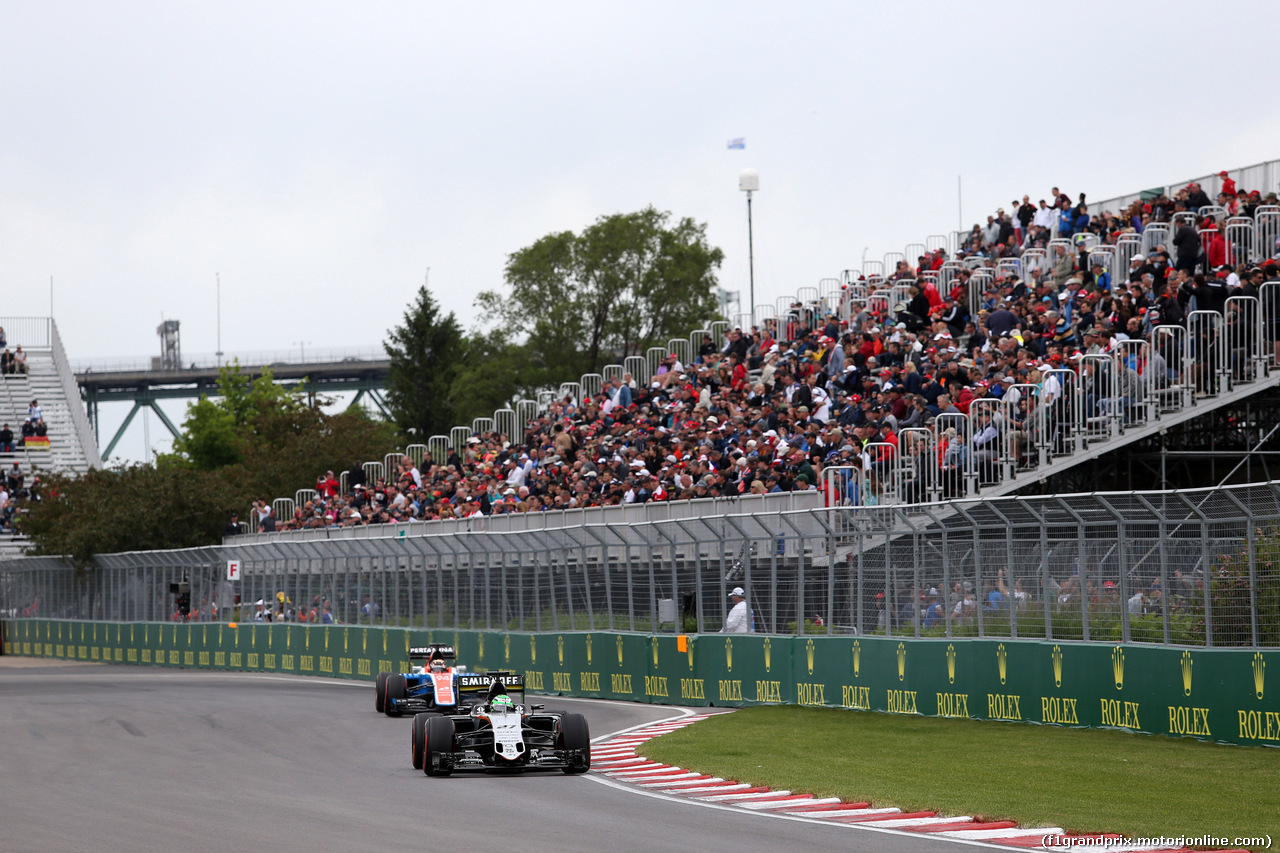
(437, 756)
(418, 739)
(397, 688)
(380, 692)
(575, 740)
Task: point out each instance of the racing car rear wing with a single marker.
(446, 652)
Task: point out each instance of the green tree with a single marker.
(628, 282)
(289, 448)
(425, 351)
(129, 508)
(215, 430)
(492, 373)
(258, 440)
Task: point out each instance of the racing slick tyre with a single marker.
(380, 692)
(419, 739)
(397, 688)
(575, 740)
(439, 744)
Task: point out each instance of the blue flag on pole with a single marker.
(740, 142)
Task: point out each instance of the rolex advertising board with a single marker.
(1217, 694)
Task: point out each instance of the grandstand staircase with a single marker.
(72, 448)
(1133, 433)
(870, 533)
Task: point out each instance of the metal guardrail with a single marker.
(247, 358)
(622, 514)
(79, 417)
(28, 332)
(1264, 177)
(1195, 568)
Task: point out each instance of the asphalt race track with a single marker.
(98, 757)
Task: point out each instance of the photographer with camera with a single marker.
(266, 516)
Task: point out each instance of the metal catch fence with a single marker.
(1184, 568)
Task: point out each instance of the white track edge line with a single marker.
(643, 792)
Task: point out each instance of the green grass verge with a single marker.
(1080, 779)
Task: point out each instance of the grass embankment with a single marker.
(1082, 780)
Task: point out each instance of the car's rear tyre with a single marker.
(397, 688)
(575, 740)
(418, 740)
(380, 692)
(439, 744)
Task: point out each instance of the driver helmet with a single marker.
(437, 665)
(502, 703)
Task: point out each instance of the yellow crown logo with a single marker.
(175, 633)
(1259, 673)
(204, 635)
(118, 632)
(653, 644)
(689, 649)
(1057, 666)
(1002, 661)
(306, 634)
(288, 639)
(533, 648)
(808, 653)
(1186, 673)
(588, 650)
(560, 649)
(384, 642)
(364, 640)
(768, 654)
(480, 643)
(951, 664)
(902, 661)
(857, 658)
(1117, 666)
(728, 654)
(95, 633)
(326, 640)
(619, 650)
(506, 648)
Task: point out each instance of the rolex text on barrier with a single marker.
(1214, 694)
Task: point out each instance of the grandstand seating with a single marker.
(49, 380)
(1058, 399)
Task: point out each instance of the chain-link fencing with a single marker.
(1183, 568)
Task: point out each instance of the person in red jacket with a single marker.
(1228, 185)
(327, 485)
(1215, 245)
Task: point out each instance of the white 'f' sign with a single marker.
(233, 570)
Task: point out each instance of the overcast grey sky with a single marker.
(320, 157)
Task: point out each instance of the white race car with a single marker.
(501, 734)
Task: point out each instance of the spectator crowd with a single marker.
(827, 385)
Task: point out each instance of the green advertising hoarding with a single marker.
(1215, 694)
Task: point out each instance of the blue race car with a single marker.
(435, 685)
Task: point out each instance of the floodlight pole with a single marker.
(217, 277)
(751, 257)
(749, 182)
